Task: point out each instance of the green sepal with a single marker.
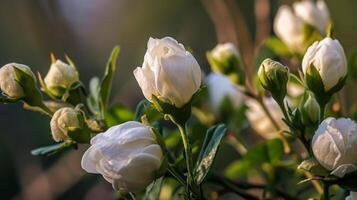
(33, 95)
(180, 115)
(315, 84)
(314, 167)
(81, 134)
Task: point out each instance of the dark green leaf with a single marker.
(208, 152)
(49, 150)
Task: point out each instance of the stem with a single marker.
(326, 191)
(322, 110)
(188, 156)
(176, 175)
(191, 186)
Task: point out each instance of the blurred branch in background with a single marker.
(231, 26)
(56, 180)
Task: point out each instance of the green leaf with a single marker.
(106, 83)
(118, 114)
(277, 46)
(52, 149)
(208, 152)
(93, 98)
(270, 152)
(154, 189)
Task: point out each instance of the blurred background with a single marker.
(87, 30)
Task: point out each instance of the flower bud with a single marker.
(169, 72)
(60, 78)
(127, 156)
(335, 144)
(68, 123)
(325, 67)
(315, 14)
(9, 84)
(225, 59)
(290, 29)
(298, 26)
(274, 77)
(310, 109)
(259, 120)
(220, 87)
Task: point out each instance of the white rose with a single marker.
(352, 196)
(290, 29)
(60, 75)
(220, 87)
(329, 59)
(335, 145)
(8, 84)
(260, 122)
(126, 155)
(63, 121)
(168, 72)
(315, 14)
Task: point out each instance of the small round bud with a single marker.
(8, 80)
(64, 121)
(274, 77)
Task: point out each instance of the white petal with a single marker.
(145, 78)
(342, 170)
(89, 161)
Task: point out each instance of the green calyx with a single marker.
(179, 115)
(274, 77)
(315, 84)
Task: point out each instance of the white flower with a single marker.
(220, 87)
(315, 14)
(329, 59)
(168, 72)
(289, 24)
(224, 51)
(60, 75)
(352, 196)
(260, 122)
(290, 29)
(8, 84)
(335, 145)
(63, 121)
(126, 155)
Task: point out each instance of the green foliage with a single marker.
(269, 152)
(52, 149)
(100, 89)
(208, 152)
